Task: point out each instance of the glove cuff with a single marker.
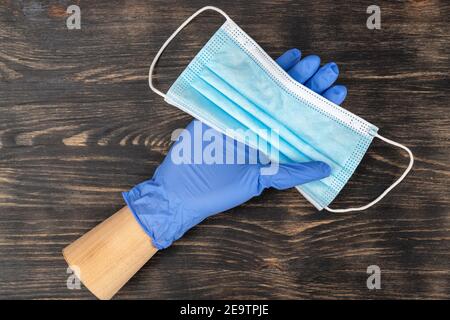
(150, 206)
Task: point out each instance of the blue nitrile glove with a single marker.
(181, 195)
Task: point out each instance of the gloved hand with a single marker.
(181, 195)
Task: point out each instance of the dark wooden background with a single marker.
(78, 125)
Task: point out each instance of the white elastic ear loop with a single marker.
(164, 46)
(381, 196)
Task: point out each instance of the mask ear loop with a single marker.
(164, 46)
(381, 196)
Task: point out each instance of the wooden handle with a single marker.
(106, 257)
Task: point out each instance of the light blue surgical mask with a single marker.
(232, 84)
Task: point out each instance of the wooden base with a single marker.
(106, 257)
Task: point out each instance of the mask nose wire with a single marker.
(381, 196)
(174, 34)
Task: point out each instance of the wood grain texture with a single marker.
(78, 125)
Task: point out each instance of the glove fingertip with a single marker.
(310, 171)
(322, 169)
(294, 174)
(288, 59)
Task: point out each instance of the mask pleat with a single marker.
(226, 114)
(223, 121)
(217, 93)
(303, 151)
(241, 115)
